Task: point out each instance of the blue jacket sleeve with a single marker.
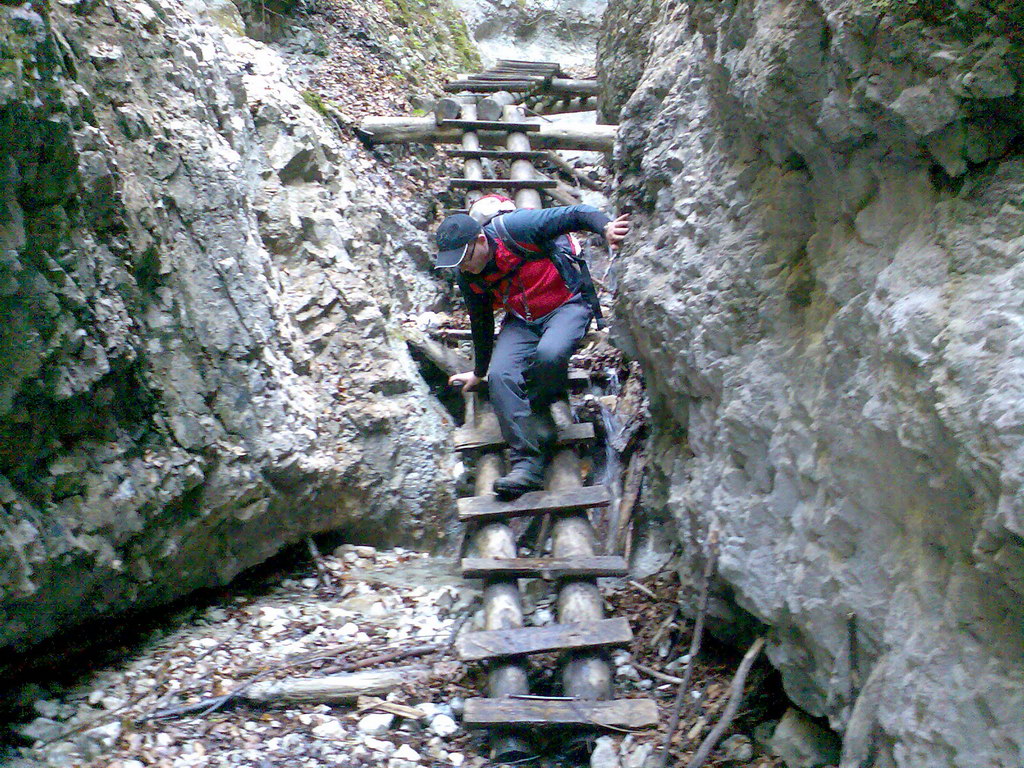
(537, 226)
(481, 326)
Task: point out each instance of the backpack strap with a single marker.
(586, 281)
(520, 250)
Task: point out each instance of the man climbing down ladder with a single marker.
(513, 262)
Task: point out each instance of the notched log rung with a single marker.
(501, 183)
(487, 86)
(545, 567)
(534, 502)
(619, 713)
(491, 644)
(500, 154)
(489, 125)
(489, 437)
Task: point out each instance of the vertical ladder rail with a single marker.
(585, 674)
(521, 169)
(503, 604)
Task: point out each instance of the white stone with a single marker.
(605, 754)
(638, 757)
(405, 752)
(375, 723)
(330, 729)
(443, 725)
(379, 745)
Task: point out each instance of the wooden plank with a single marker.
(534, 502)
(618, 713)
(549, 568)
(502, 76)
(489, 125)
(501, 183)
(489, 437)
(495, 643)
(475, 86)
(500, 154)
(553, 66)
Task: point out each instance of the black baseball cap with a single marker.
(453, 235)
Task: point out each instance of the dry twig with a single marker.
(698, 631)
(735, 696)
(323, 577)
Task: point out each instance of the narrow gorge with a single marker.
(217, 289)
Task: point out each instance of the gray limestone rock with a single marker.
(831, 333)
(201, 361)
(802, 743)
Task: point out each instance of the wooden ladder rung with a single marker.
(488, 437)
(500, 154)
(534, 502)
(618, 713)
(489, 125)
(549, 568)
(487, 86)
(524, 75)
(502, 183)
(554, 66)
(492, 644)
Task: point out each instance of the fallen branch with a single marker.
(447, 360)
(651, 672)
(323, 578)
(698, 631)
(735, 696)
(333, 689)
(383, 658)
(627, 504)
(567, 169)
(641, 588)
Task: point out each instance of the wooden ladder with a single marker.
(582, 634)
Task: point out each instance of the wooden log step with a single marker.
(488, 125)
(548, 568)
(510, 73)
(477, 86)
(619, 713)
(492, 644)
(500, 154)
(518, 75)
(489, 437)
(534, 502)
(553, 66)
(502, 183)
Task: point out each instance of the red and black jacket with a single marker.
(533, 272)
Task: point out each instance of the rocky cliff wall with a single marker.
(199, 362)
(824, 285)
(535, 30)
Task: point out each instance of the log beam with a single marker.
(399, 130)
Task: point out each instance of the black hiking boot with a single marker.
(526, 475)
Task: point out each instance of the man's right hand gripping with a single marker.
(468, 381)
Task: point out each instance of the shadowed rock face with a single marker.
(824, 285)
(197, 366)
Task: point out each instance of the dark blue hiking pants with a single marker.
(529, 369)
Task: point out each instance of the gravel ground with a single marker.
(361, 609)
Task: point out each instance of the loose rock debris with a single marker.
(382, 610)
